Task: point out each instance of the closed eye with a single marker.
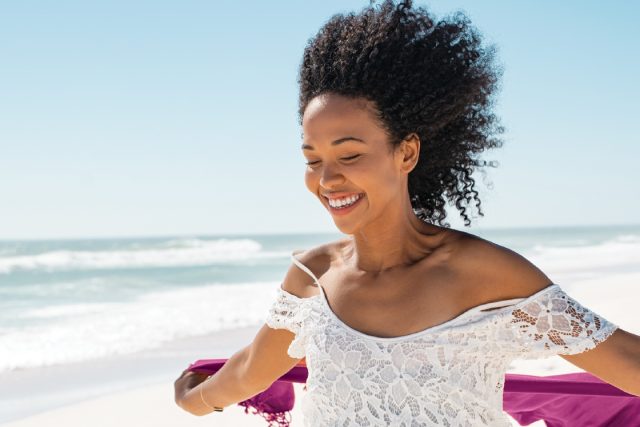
(344, 158)
(351, 158)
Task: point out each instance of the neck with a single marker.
(394, 239)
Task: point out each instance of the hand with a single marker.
(185, 382)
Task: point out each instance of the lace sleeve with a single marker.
(288, 312)
(550, 322)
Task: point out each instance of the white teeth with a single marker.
(343, 202)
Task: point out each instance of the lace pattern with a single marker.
(288, 312)
(448, 375)
(551, 322)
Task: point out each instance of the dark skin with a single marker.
(395, 274)
(386, 232)
(185, 382)
(371, 283)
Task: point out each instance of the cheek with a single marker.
(383, 184)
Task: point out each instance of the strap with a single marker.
(514, 301)
(482, 307)
(304, 268)
(499, 304)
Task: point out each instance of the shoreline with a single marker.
(28, 392)
(139, 386)
(148, 405)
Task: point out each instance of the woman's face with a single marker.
(348, 155)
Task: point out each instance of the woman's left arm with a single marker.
(615, 361)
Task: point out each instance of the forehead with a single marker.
(330, 116)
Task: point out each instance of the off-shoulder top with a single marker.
(451, 374)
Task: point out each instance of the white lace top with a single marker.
(451, 374)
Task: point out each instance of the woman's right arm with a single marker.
(257, 366)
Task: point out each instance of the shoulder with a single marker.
(495, 271)
(318, 259)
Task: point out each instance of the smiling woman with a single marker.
(404, 73)
(406, 322)
(352, 168)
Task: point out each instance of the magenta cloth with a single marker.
(567, 400)
(275, 403)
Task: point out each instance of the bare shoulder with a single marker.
(499, 272)
(318, 259)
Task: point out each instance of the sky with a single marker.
(148, 118)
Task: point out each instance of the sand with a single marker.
(146, 406)
(146, 398)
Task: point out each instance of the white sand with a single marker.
(613, 296)
(154, 406)
(146, 406)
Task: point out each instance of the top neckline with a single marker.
(464, 314)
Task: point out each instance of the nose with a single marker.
(330, 177)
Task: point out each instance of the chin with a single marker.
(350, 229)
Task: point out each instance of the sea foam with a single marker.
(181, 252)
(77, 332)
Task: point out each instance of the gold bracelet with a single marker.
(215, 408)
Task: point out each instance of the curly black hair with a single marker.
(425, 77)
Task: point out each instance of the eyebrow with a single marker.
(336, 142)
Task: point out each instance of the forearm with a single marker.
(625, 370)
(635, 355)
(227, 386)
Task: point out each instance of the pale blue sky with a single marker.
(123, 118)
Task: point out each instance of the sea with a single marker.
(66, 301)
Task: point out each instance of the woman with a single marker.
(406, 321)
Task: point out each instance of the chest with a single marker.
(398, 303)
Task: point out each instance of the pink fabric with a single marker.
(567, 400)
(275, 403)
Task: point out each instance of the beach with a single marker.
(146, 406)
(136, 388)
(153, 404)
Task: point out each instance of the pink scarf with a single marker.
(566, 400)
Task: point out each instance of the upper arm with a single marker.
(267, 356)
(616, 360)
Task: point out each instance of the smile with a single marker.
(344, 205)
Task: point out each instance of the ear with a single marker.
(409, 152)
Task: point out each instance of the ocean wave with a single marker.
(622, 250)
(628, 238)
(180, 252)
(65, 310)
(77, 332)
